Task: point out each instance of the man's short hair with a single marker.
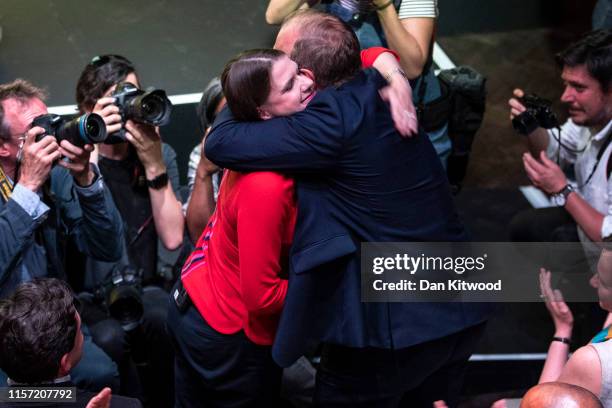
(20, 90)
(326, 45)
(594, 50)
(37, 327)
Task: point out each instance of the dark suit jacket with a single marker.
(357, 181)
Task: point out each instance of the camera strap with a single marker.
(6, 186)
(600, 154)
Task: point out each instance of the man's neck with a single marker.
(599, 127)
(9, 169)
(118, 151)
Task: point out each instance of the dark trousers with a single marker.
(552, 224)
(219, 370)
(410, 377)
(568, 263)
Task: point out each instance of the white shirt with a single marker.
(598, 191)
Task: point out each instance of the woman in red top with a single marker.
(235, 276)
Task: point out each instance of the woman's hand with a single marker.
(559, 311)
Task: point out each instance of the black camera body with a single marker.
(85, 129)
(538, 113)
(148, 107)
(122, 294)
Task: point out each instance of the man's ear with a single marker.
(4, 151)
(307, 72)
(263, 113)
(65, 365)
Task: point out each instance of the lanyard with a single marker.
(6, 186)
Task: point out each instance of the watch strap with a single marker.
(158, 182)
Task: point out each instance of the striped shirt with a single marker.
(408, 8)
(418, 8)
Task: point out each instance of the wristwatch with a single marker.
(158, 182)
(559, 199)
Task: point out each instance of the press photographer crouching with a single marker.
(51, 196)
(143, 179)
(583, 209)
(41, 343)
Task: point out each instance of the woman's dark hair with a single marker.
(100, 74)
(246, 82)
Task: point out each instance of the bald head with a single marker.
(321, 43)
(559, 395)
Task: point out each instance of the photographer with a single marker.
(41, 343)
(584, 142)
(42, 206)
(143, 179)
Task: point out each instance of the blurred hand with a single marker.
(37, 159)
(499, 404)
(106, 108)
(78, 162)
(559, 311)
(544, 174)
(101, 400)
(148, 144)
(516, 107)
(205, 166)
(440, 404)
(399, 96)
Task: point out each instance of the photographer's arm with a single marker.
(166, 208)
(548, 176)
(410, 37)
(24, 211)
(538, 139)
(279, 9)
(202, 200)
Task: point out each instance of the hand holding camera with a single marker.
(148, 145)
(530, 112)
(38, 154)
(106, 108)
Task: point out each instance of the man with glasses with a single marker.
(50, 194)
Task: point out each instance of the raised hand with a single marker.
(37, 159)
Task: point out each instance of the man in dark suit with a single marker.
(41, 341)
(357, 181)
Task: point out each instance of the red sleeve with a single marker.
(264, 214)
(369, 55)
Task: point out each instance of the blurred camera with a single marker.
(122, 295)
(538, 113)
(148, 107)
(86, 129)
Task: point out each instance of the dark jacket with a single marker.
(31, 248)
(357, 181)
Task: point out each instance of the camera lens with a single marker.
(92, 128)
(152, 108)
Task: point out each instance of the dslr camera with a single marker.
(86, 129)
(538, 113)
(148, 107)
(122, 295)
